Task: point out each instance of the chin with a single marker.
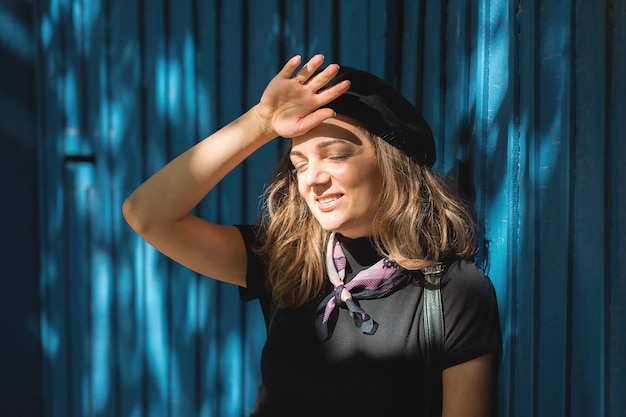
(343, 228)
(351, 233)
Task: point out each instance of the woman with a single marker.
(354, 219)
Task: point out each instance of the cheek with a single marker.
(373, 181)
(304, 193)
(301, 186)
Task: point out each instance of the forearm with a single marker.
(287, 108)
(172, 192)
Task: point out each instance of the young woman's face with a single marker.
(338, 176)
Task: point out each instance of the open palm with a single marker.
(293, 105)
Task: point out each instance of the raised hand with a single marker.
(292, 104)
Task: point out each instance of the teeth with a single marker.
(327, 199)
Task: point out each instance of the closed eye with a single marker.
(298, 167)
(339, 157)
(301, 166)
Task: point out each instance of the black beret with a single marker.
(386, 113)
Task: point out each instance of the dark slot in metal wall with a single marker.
(20, 365)
(526, 99)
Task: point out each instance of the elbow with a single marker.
(132, 216)
(147, 217)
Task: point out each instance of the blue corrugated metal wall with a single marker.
(526, 99)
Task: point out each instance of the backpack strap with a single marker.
(434, 332)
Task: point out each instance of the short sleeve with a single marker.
(472, 324)
(254, 265)
(256, 270)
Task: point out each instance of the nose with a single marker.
(315, 174)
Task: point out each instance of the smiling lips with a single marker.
(326, 203)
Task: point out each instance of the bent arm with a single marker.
(159, 209)
(469, 388)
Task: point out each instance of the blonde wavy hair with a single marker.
(420, 220)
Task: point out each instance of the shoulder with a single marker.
(464, 278)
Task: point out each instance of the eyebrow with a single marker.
(328, 143)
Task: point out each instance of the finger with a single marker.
(290, 66)
(314, 119)
(309, 68)
(322, 78)
(327, 95)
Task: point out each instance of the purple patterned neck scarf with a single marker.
(376, 281)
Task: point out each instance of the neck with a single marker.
(361, 250)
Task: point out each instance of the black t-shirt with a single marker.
(353, 373)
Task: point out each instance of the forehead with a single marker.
(339, 129)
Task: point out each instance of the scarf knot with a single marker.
(339, 289)
(377, 281)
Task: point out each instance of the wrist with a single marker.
(263, 119)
